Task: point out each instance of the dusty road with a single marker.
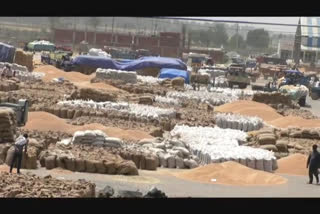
(175, 187)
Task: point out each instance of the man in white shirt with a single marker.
(21, 141)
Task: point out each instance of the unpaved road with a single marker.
(175, 187)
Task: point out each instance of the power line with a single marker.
(240, 22)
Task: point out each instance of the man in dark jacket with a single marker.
(313, 163)
(21, 141)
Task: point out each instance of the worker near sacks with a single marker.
(313, 164)
(21, 141)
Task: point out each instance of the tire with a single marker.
(314, 96)
(302, 101)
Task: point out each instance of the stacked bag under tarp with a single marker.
(239, 122)
(111, 74)
(7, 52)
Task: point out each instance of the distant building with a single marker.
(286, 49)
(307, 40)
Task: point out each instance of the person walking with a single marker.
(21, 141)
(313, 164)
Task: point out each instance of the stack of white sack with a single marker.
(203, 96)
(212, 72)
(167, 100)
(137, 110)
(237, 121)
(92, 137)
(215, 145)
(149, 79)
(233, 92)
(22, 72)
(126, 76)
(98, 52)
(221, 81)
(14, 66)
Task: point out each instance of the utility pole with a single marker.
(237, 36)
(112, 30)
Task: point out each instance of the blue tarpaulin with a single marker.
(173, 73)
(7, 53)
(293, 72)
(133, 65)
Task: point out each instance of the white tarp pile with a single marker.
(295, 92)
(215, 145)
(22, 72)
(203, 96)
(137, 110)
(98, 52)
(167, 100)
(126, 76)
(239, 122)
(233, 92)
(148, 79)
(92, 137)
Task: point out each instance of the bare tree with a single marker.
(54, 22)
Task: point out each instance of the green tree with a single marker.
(258, 38)
(233, 41)
(220, 36)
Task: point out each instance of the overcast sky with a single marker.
(282, 20)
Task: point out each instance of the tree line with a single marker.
(217, 36)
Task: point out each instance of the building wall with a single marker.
(167, 44)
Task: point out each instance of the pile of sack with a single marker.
(132, 109)
(8, 125)
(167, 100)
(221, 81)
(29, 186)
(166, 153)
(25, 59)
(237, 121)
(9, 85)
(214, 145)
(233, 92)
(92, 94)
(149, 79)
(98, 52)
(86, 158)
(92, 137)
(215, 99)
(111, 74)
(22, 72)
